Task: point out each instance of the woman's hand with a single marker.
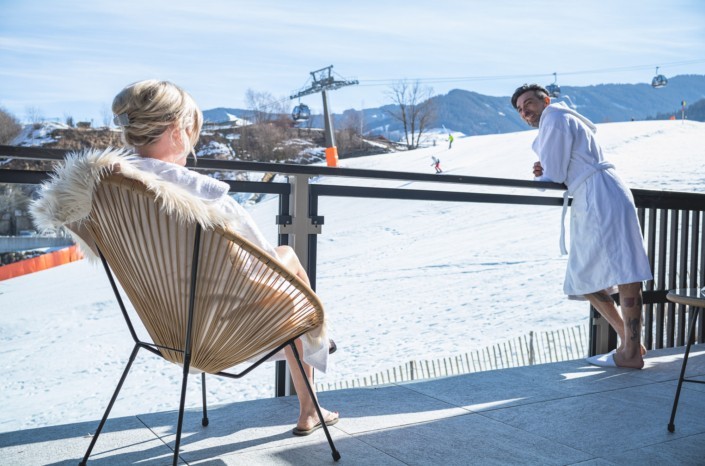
(538, 169)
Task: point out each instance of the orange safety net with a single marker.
(45, 261)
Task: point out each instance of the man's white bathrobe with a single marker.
(606, 245)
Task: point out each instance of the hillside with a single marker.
(473, 114)
(695, 112)
(228, 141)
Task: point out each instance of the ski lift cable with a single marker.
(440, 80)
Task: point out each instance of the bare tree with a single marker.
(352, 121)
(9, 126)
(34, 114)
(264, 138)
(349, 136)
(264, 108)
(106, 115)
(414, 108)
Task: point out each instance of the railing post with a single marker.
(299, 229)
(301, 225)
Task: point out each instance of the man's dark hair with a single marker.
(538, 90)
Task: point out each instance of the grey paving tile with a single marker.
(370, 408)
(236, 427)
(686, 451)
(584, 422)
(123, 441)
(594, 462)
(662, 365)
(469, 439)
(654, 403)
(487, 390)
(574, 378)
(310, 453)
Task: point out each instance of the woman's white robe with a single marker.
(210, 190)
(607, 247)
(66, 200)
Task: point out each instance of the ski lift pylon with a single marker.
(659, 80)
(301, 113)
(554, 89)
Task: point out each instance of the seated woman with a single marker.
(161, 123)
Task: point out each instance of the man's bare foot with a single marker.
(309, 421)
(621, 360)
(643, 349)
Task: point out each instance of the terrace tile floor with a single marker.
(561, 413)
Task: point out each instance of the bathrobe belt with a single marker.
(571, 191)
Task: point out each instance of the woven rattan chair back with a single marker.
(246, 302)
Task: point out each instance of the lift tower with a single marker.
(324, 81)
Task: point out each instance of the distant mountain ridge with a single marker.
(472, 114)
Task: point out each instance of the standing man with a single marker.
(607, 248)
(450, 140)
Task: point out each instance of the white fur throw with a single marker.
(67, 197)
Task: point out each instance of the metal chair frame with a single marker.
(691, 336)
(186, 351)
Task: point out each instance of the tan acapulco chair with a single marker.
(208, 298)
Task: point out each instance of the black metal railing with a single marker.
(671, 222)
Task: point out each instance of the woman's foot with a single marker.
(310, 423)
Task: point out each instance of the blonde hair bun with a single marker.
(146, 109)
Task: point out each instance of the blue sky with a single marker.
(70, 57)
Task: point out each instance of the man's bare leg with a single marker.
(631, 303)
(604, 304)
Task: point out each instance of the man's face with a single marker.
(530, 107)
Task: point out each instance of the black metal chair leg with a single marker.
(187, 343)
(691, 336)
(335, 453)
(110, 405)
(204, 421)
(182, 404)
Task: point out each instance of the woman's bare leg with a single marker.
(308, 417)
(289, 258)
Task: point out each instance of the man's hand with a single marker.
(538, 169)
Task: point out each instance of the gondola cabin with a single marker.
(554, 90)
(301, 113)
(659, 81)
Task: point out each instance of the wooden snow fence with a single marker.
(535, 348)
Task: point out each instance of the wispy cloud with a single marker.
(219, 48)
